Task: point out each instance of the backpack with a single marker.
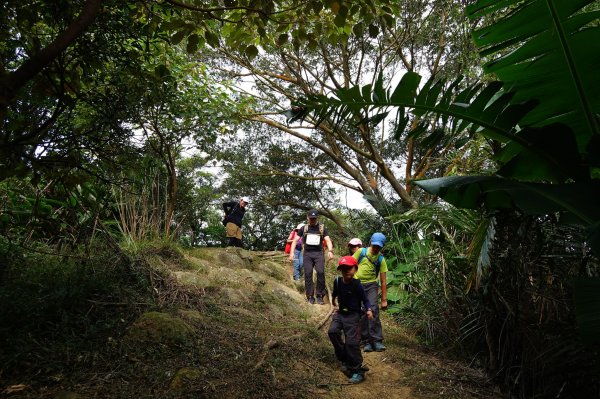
(288, 245)
(377, 264)
(321, 229)
(226, 217)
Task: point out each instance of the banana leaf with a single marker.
(546, 50)
(576, 202)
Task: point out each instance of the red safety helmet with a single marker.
(347, 262)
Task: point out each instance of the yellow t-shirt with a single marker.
(366, 267)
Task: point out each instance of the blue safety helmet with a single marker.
(378, 239)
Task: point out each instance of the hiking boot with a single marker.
(344, 369)
(356, 378)
(311, 300)
(368, 348)
(379, 347)
(320, 300)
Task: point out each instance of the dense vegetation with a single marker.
(128, 121)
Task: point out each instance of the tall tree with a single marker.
(181, 103)
(342, 47)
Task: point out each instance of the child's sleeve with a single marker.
(335, 292)
(363, 297)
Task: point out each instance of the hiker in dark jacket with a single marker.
(313, 235)
(350, 295)
(234, 213)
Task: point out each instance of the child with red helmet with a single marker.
(350, 295)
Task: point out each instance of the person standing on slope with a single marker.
(297, 262)
(344, 331)
(234, 213)
(312, 236)
(354, 245)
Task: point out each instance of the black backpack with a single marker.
(226, 217)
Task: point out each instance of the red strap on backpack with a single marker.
(288, 245)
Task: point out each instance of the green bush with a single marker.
(39, 289)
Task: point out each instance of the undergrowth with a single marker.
(81, 324)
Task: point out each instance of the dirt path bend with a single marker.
(405, 370)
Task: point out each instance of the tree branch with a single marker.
(11, 83)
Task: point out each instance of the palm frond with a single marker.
(487, 110)
(547, 50)
(479, 249)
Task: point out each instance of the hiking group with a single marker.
(356, 292)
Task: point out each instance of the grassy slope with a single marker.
(210, 323)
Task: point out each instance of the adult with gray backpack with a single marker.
(313, 257)
(372, 267)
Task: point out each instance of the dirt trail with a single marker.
(405, 370)
(383, 380)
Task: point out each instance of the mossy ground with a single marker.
(212, 323)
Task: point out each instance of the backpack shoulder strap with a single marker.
(363, 253)
(377, 264)
(305, 229)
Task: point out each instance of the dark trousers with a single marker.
(314, 260)
(234, 242)
(371, 329)
(347, 348)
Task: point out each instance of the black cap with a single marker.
(313, 213)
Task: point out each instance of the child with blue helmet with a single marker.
(371, 267)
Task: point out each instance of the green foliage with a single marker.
(563, 81)
(56, 289)
(429, 268)
(60, 214)
(39, 116)
(557, 152)
(546, 50)
(587, 306)
(552, 152)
